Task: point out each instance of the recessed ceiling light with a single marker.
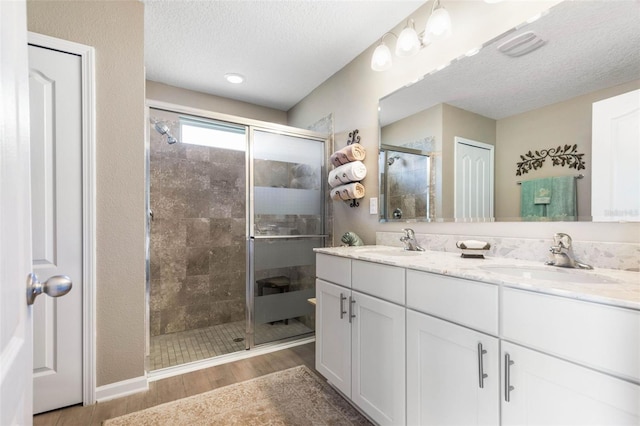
(234, 78)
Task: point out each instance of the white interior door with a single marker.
(15, 226)
(473, 180)
(615, 179)
(56, 170)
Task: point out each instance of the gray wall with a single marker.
(188, 98)
(115, 30)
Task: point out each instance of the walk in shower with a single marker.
(236, 209)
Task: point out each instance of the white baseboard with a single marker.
(120, 389)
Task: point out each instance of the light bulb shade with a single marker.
(438, 26)
(381, 59)
(408, 43)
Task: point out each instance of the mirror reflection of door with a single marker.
(615, 182)
(473, 180)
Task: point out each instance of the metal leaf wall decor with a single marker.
(560, 156)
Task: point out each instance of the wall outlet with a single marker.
(373, 205)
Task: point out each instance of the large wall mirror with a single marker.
(512, 133)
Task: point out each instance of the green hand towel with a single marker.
(533, 194)
(563, 204)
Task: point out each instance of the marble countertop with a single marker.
(619, 288)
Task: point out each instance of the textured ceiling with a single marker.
(285, 49)
(590, 45)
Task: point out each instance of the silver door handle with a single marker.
(342, 311)
(507, 377)
(55, 286)
(351, 303)
(481, 373)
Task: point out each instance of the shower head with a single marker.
(391, 160)
(163, 129)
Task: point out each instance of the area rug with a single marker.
(291, 397)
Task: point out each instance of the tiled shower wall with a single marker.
(197, 234)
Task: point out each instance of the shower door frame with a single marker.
(251, 238)
(251, 125)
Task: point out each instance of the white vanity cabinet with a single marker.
(453, 373)
(360, 338)
(540, 389)
(568, 362)
(333, 335)
(476, 353)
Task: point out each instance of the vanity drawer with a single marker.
(470, 303)
(600, 336)
(375, 279)
(334, 269)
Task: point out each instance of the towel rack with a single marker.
(580, 176)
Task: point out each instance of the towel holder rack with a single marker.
(580, 176)
(353, 137)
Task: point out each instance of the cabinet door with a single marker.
(378, 359)
(549, 391)
(444, 363)
(333, 335)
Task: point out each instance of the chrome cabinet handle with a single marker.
(507, 377)
(342, 311)
(55, 286)
(481, 373)
(351, 303)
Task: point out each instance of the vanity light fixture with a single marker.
(234, 78)
(439, 24)
(409, 42)
(381, 58)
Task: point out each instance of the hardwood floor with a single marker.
(178, 387)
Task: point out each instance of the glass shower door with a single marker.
(287, 222)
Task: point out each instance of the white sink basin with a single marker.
(388, 251)
(550, 273)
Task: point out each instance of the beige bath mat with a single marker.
(291, 397)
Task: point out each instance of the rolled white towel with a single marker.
(349, 191)
(350, 172)
(338, 158)
(336, 194)
(353, 152)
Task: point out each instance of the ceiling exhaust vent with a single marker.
(521, 44)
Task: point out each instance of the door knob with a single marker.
(55, 286)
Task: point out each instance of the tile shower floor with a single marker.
(168, 350)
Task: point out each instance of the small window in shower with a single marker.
(213, 134)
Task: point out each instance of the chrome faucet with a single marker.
(560, 251)
(409, 240)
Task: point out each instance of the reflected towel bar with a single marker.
(580, 176)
